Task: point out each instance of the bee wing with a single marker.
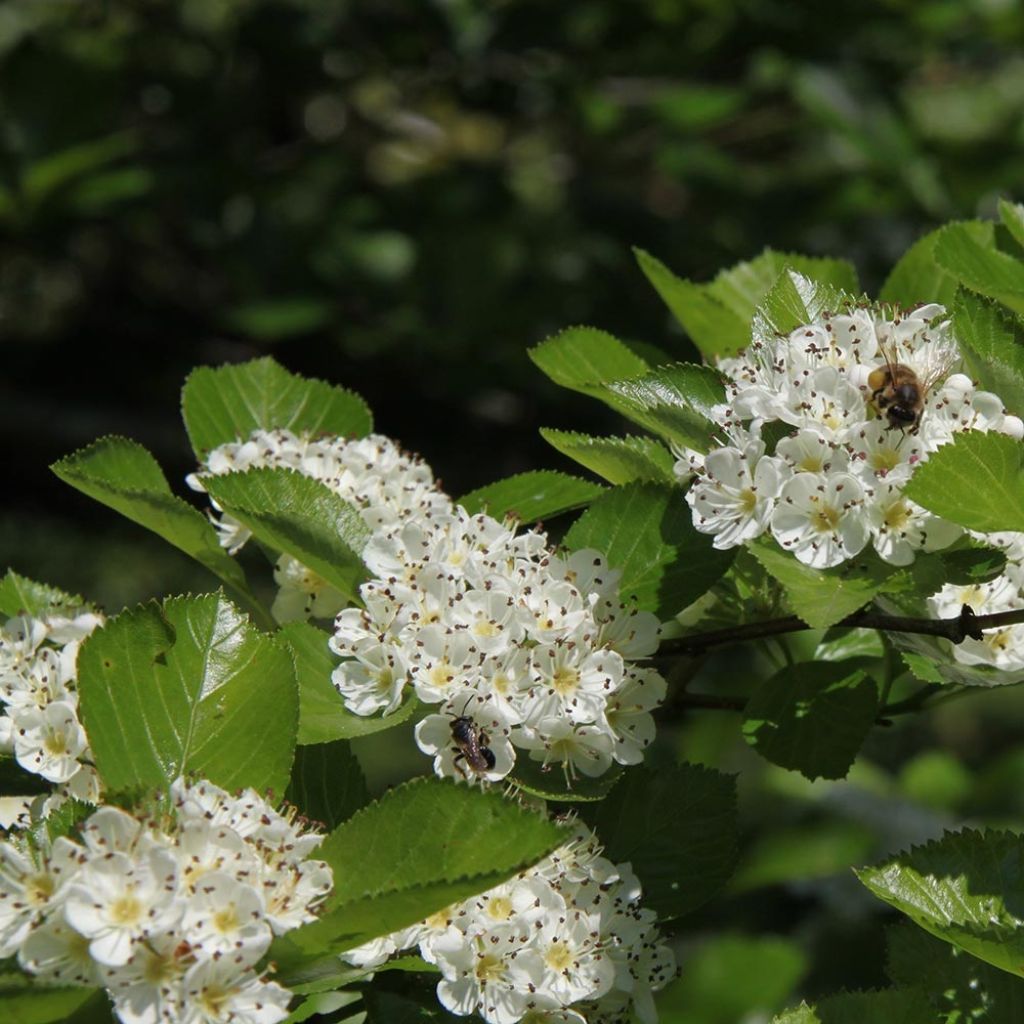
(889, 354)
(937, 373)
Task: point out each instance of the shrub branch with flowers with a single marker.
(188, 832)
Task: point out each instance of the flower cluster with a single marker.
(566, 941)
(39, 722)
(372, 473)
(170, 913)
(1001, 648)
(833, 483)
(520, 647)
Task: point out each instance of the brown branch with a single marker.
(956, 629)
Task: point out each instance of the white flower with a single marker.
(223, 992)
(116, 900)
(735, 496)
(821, 518)
(48, 741)
(302, 593)
(224, 916)
(477, 718)
(899, 528)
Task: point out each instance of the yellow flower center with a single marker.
(56, 743)
(748, 500)
(897, 515)
(566, 680)
(825, 519)
(125, 910)
(226, 920)
(38, 888)
(484, 627)
(442, 674)
(500, 908)
(558, 957)
(489, 968)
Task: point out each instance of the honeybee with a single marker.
(898, 394)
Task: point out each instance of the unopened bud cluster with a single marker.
(808, 452)
(535, 650)
(39, 701)
(170, 913)
(566, 941)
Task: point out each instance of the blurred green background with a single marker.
(402, 197)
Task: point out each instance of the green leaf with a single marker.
(422, 846)
(189, 686)
(322, 713)
(551, 783)
(299, 516)
(677, 826)
(966, 888)
(122, 475)
(972, 564)
(918, 278)
(620, 460)
(673, 401)
(813, 716)
(743, 287)
(327, 783)
(40, 1005)
(717, 315)
(582, 358)
(646, 532)
(970, 255)
(992, 342)
(823, 597)
(21, 596)
(792, 301)
(889, 1006)
(714, 328)
(976, 481)
(229, 402)
(922, 667)
(957, 984)
(529, 497)
(324, 1003)
(733, 978)
(1012, 216)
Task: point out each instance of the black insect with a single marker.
(471, 746)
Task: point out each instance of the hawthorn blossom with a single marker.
(170, 911)
(565, 941)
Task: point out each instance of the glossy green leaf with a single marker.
(582, 358)
(646, 532)
(327, 783)
(122, 475)
(529, 497)
(733, 978)
(674, 402)
(21, 596)
(677, 826)
(917, 277)
(229, 402)
(298, 516)
(322, 713)
(714, 328)
(889, 1006)
(792, 301)
(812, 716)
(620, 460)
(961, 987)
(970, 255)
(743, 287)
(189, 686)
(966, 888)
(823, 597)
(992, 342)
(422, 846)
(1012, 216)
(976, 481)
